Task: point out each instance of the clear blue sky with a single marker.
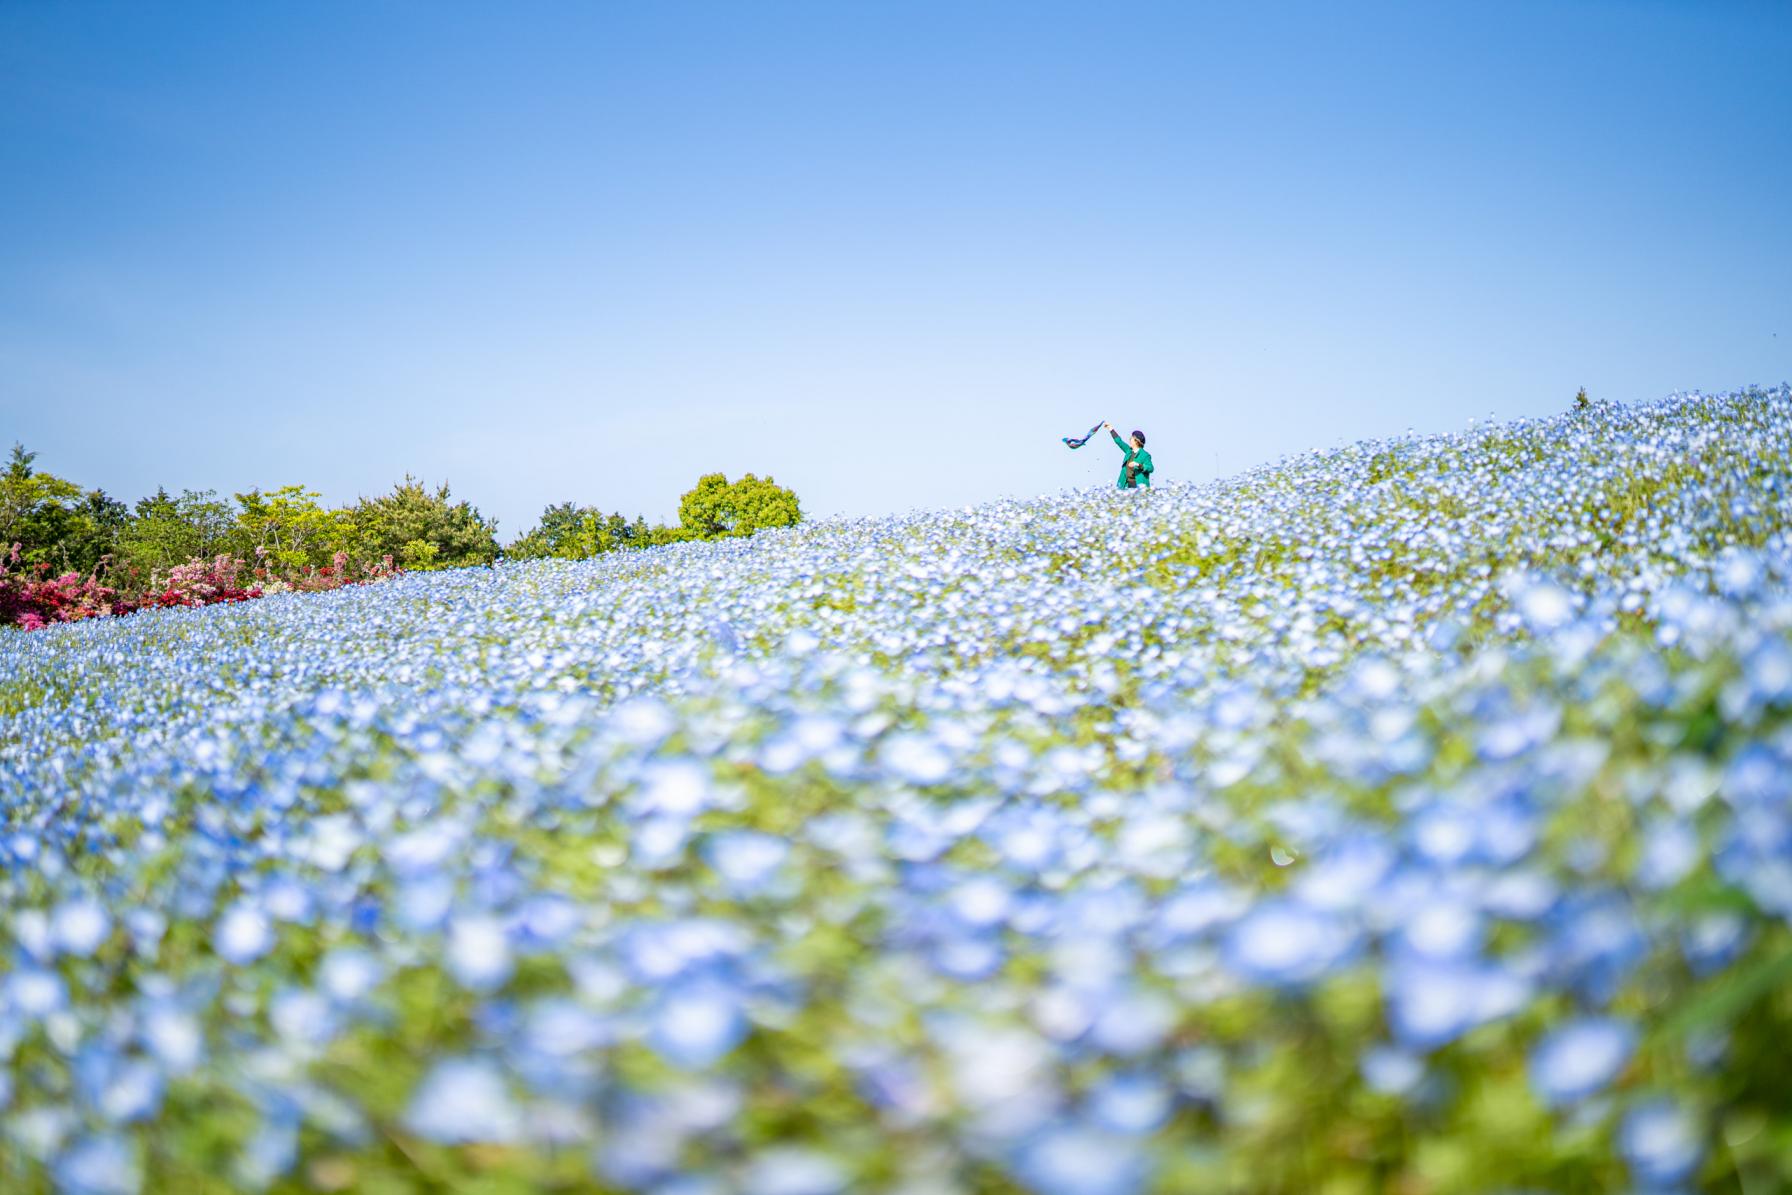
(886, 252)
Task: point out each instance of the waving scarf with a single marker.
(1079, 441)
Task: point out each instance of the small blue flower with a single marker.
(791, 1171)
(302, 1017)
(270, 1152)
(1522, 895)
(981, 902)
(104, 1165)
(1286, 944)
(173, 1036)
(133, 1092)
(915, 758)
(1081, 1160)
(348, 973)
(659, 842)
(1346, 872)
(1131, 1024)
(695, 1025)
(559, 1028)
(677, 789)
(1442, 929)
(463, 1100)
(745, 859)
(422, 903)
(285, 899)
(1580, 1058)
(1443, 833)
(1432, 1002)
(34, 992)
(1670, 851)
(79, 926)
(1544, 605)
(1391, 1071)
(243, 934)
(1714, 940)
(479, 953)
(1661, 1142)
(1130, 1102)
(967, 956)
(547, 920)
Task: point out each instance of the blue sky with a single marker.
(886, 252)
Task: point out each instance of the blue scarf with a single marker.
(1081, 440)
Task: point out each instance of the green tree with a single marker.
(569, 531)
(165, 531)
(293, 528)
(104, 521)
(422, 529)
(717, 508)
(53, 520)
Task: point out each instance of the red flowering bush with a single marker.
(198, 583)
(34, 600)
(308, 579)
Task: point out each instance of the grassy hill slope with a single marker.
(1414, 816)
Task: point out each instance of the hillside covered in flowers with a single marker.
(1414, 816)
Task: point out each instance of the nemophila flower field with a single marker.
(1412, 817)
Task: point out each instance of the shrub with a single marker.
(33, 600)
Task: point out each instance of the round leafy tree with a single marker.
(717, 508)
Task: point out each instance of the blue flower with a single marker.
(173, 1036)
(1661, 1142)
(103, 1165)
(915, 758)
(792, 1171)
(79, 926)
(1346, 872)
(1286, 944)
(1082, 1160)
(463, 1100)
(1442, 929)
(695, 1025)
(1670, 851)
(745, 859)
(479, 953)
(132, 1092)
(270, 1152)
(1130, 1102)
(348, 973)
(1432, 1002)
(34, 992)
(243, 934)
(1580, 1058)
(1391, 1071)
(302, 1017)
(677, 789)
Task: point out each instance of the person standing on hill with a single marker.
(1135, 470)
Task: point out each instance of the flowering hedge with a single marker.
(34, 600)
(1415, 816)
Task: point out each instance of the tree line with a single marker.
(61, 527)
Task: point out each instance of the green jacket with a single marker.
(1129, 478)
